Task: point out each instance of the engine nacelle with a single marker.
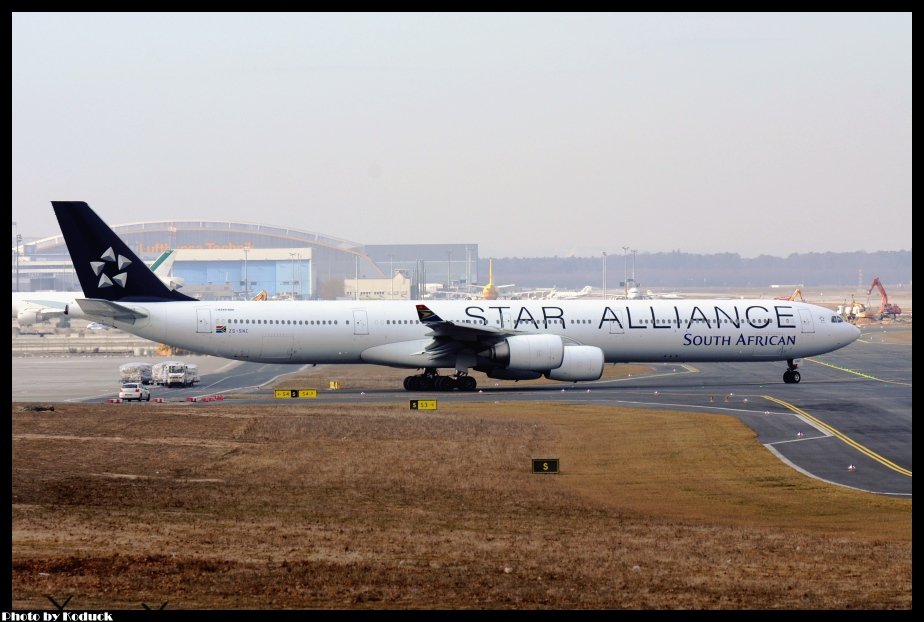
(29, 317)
(580, 363)
(527, 352)
(511, 374)
(73, 309)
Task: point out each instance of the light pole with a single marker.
(246, 281)
(16, 240)
(298, 256)
(625, 282)
(604, 275)
(468, 269)
(448, 270)
(292, 255)
(634, 251)
(18, 244)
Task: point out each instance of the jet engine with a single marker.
(527, 352)
(511, 374)
(580, 363)
(28, 317)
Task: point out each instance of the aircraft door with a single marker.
(360, 322)
(203, 320)
(808, 325)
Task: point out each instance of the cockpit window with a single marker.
(836, 318)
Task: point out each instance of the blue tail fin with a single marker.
(105, 266)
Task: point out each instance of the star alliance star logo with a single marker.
(109, 258)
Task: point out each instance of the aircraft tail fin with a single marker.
(163, 264)
(106, 267)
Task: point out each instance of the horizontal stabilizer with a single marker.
(97, 308)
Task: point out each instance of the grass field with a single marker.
(374, 506)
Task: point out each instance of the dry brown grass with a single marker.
(374, 506)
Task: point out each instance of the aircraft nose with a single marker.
(855, 332)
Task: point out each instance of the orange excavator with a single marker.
(886, 308)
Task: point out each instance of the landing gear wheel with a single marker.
(791, 376)
(467, 383)
(444, 383)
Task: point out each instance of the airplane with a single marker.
(490, 290)
(32, 307)
(163, 267)
(667, 296)
(568, 340)
(555, 294)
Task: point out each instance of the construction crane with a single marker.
(796, 295)
(886, 308)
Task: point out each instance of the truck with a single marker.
(159, 373)
(175, 373)
(180, 374)
(192, 371)
(136, 372)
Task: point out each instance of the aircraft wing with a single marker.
(451, 337)
(44, 307)
(444, 329)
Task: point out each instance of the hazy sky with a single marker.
(530, 135)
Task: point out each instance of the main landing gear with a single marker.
(791, 376)
(430, 380)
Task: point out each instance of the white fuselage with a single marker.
(625, 330)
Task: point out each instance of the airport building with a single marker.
(235, 260)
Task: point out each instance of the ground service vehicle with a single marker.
(134, 391)
(182, 374)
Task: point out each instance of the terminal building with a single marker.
(237, 261)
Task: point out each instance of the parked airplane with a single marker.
(667, 296)
(490, 290)
(32, 307)
(567, 340)
(555, 294)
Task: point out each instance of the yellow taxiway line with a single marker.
(834, 432)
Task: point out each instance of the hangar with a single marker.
(235, 260)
